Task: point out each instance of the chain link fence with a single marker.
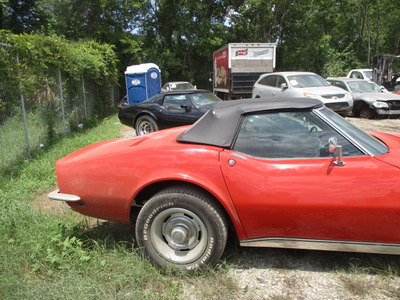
(37, 110)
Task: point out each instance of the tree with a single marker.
(181, 35)
(183, 46)
(21, 16)
(102, 20)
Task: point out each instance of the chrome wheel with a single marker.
(179, 235)
(183, 228)
(145, 125)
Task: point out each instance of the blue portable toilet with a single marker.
(142, 82)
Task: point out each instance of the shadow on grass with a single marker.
(110, 234)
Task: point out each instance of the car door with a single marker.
(178, 111)
(284, 183)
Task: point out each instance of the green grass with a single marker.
(14, 146)
(59, 254)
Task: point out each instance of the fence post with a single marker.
(62, 101)
(84, 97)
(28, 147)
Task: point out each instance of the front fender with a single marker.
(362, 102)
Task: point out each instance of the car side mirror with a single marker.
(187, 108)
(333, 147)
(284, 86)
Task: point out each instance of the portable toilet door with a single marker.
(142, 82)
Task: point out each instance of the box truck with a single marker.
(237, 66)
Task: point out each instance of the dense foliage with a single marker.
(325, 36)
(76, 58)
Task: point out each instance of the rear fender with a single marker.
(145, 113)
(215, 186)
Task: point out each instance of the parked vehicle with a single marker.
(177, 86)
(167, 110)
(369, 100)
(360, 74)
(238, 65)
(303, 84)
(285, 173)
(383, 73)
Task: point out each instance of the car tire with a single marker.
(366, 113)
(182, 228)
(145, 124)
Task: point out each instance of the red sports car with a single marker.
(285, 173)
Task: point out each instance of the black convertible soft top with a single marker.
(218, 126)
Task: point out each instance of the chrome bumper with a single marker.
(56, 195)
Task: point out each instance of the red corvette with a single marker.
(286, 173)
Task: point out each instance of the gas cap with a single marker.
(231, 162)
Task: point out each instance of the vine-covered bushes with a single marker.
(49, 86)
(40, 55)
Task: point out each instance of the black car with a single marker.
(165, 110)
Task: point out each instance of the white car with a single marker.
(360, 74)
(303, 84)
(177, 86)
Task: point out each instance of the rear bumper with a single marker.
(56, 195)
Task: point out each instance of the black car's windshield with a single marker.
(202, 100)
(152, 99)
(361, 138)
(306, 80)
(363, 87)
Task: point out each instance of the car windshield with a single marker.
(201, 100)
(358, 136)
(151, 99)
(363, 87)
(181, 86)
(306, 81)
(368, 74)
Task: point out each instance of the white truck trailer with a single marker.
(237, 66)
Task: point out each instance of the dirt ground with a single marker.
(384, 125)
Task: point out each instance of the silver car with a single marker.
(177, 86)
(303, 84)
(369, 98)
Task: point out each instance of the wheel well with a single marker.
(149, 191)
(360, 104)
(141, 115)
